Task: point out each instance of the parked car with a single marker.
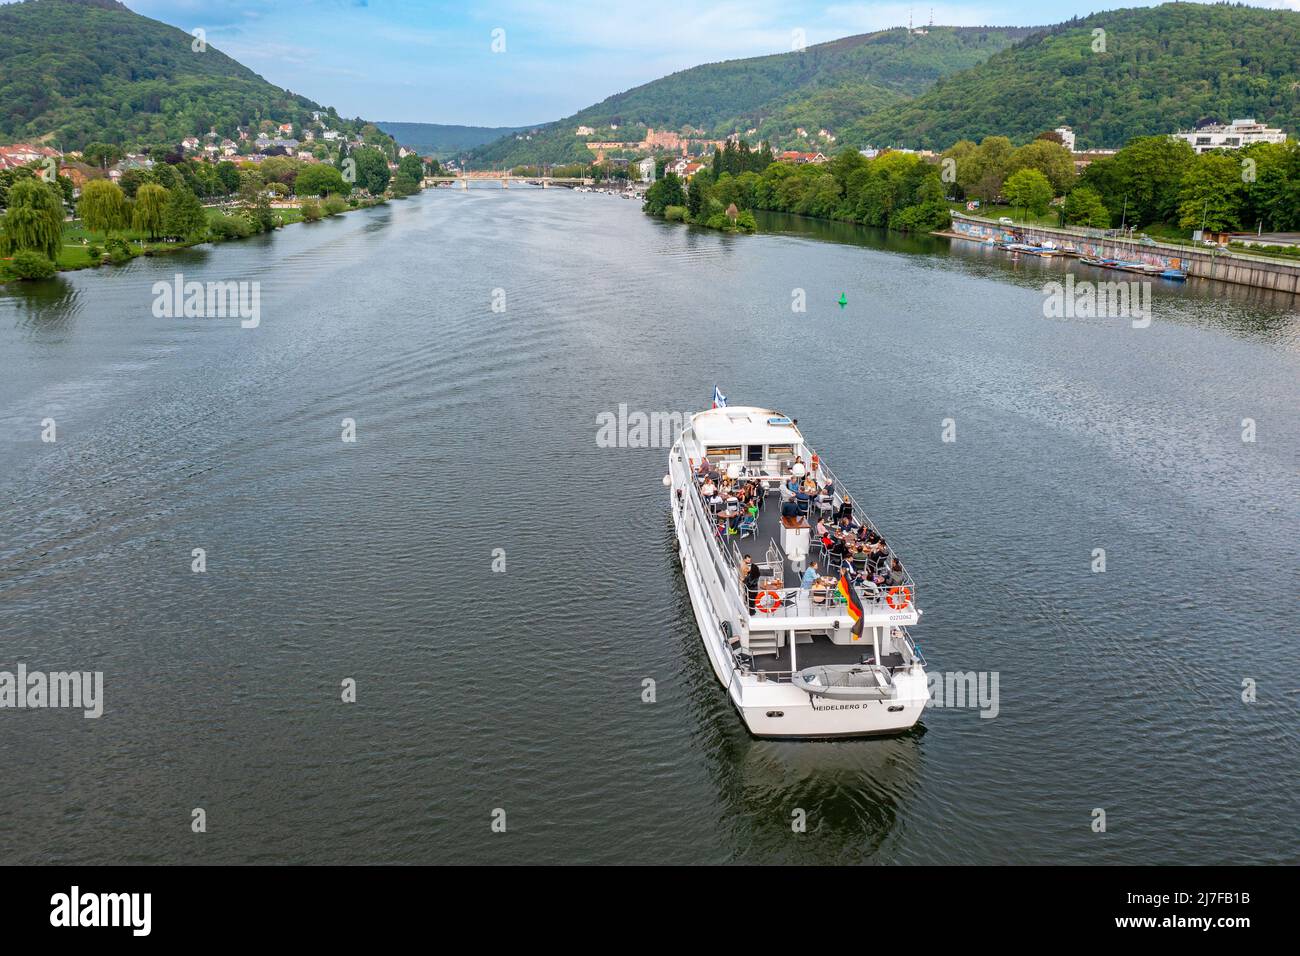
(1006, 221)
(1146, 240)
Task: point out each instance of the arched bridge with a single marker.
(505, 179)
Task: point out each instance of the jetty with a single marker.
(1155, 258)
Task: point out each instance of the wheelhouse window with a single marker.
(780, 451)
(722, 452)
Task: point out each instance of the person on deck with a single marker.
(749, 575)
(895, 576)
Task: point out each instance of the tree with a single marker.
(183, 216)
(1142, 180)
(102, 207)
(102, 155)
(1051, 159)
(32, 265)
(1030, 190)
(319, 179)
(1211, 192)
(930, 211)
(662, 194)
(228, 175)
(132, 179)
(403, 185)
(411, 167)
(34, 219)
(697, 195)
(1084, 207)
(372, 170)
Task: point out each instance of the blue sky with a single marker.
(433, 62)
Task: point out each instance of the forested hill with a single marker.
(91, 70)
(1160, 68)
(442, 140)
(828, 85)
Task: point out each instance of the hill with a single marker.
(1161, 68)
(443, 141)
(92, 70)
(828, 85)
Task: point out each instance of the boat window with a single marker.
(780, 451)
(753, 453)
(716, 452)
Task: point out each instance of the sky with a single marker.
(434, 62)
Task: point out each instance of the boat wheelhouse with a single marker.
(785, 649)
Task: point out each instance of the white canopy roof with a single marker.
(744, 425)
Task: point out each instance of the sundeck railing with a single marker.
(860, 515)
(726, 577)
(823, 602)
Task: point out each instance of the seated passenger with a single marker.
(896, 575)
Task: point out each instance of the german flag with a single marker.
(853, 603)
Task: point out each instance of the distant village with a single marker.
(690, 150)
(251, 147)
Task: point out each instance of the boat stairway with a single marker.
(763, 643)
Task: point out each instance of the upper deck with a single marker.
(766, 448)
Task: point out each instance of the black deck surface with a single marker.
(822, 651)
(769, 530)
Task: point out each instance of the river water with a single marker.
(521, 690)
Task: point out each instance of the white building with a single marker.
(1241, 132)
(646, 169)
(1067, 137)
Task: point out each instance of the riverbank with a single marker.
(1209, 263)
(80, 245)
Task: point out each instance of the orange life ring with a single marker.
(904, 593)
(771, 604)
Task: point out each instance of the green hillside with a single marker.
(828, 85)
(91, 70)
(442, 140)
(1162, 67)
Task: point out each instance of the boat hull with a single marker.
(778, 709)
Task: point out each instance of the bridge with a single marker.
(505, 179)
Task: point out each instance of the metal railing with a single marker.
(801, 602)
(860, 515)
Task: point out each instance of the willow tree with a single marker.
(102, 206)
(34, 220)
(150, 208)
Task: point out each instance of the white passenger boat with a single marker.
(793, 665)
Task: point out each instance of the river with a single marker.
(522, 690)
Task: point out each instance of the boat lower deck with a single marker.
(814, 650)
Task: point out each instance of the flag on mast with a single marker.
(719, 400)
(853, 603)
